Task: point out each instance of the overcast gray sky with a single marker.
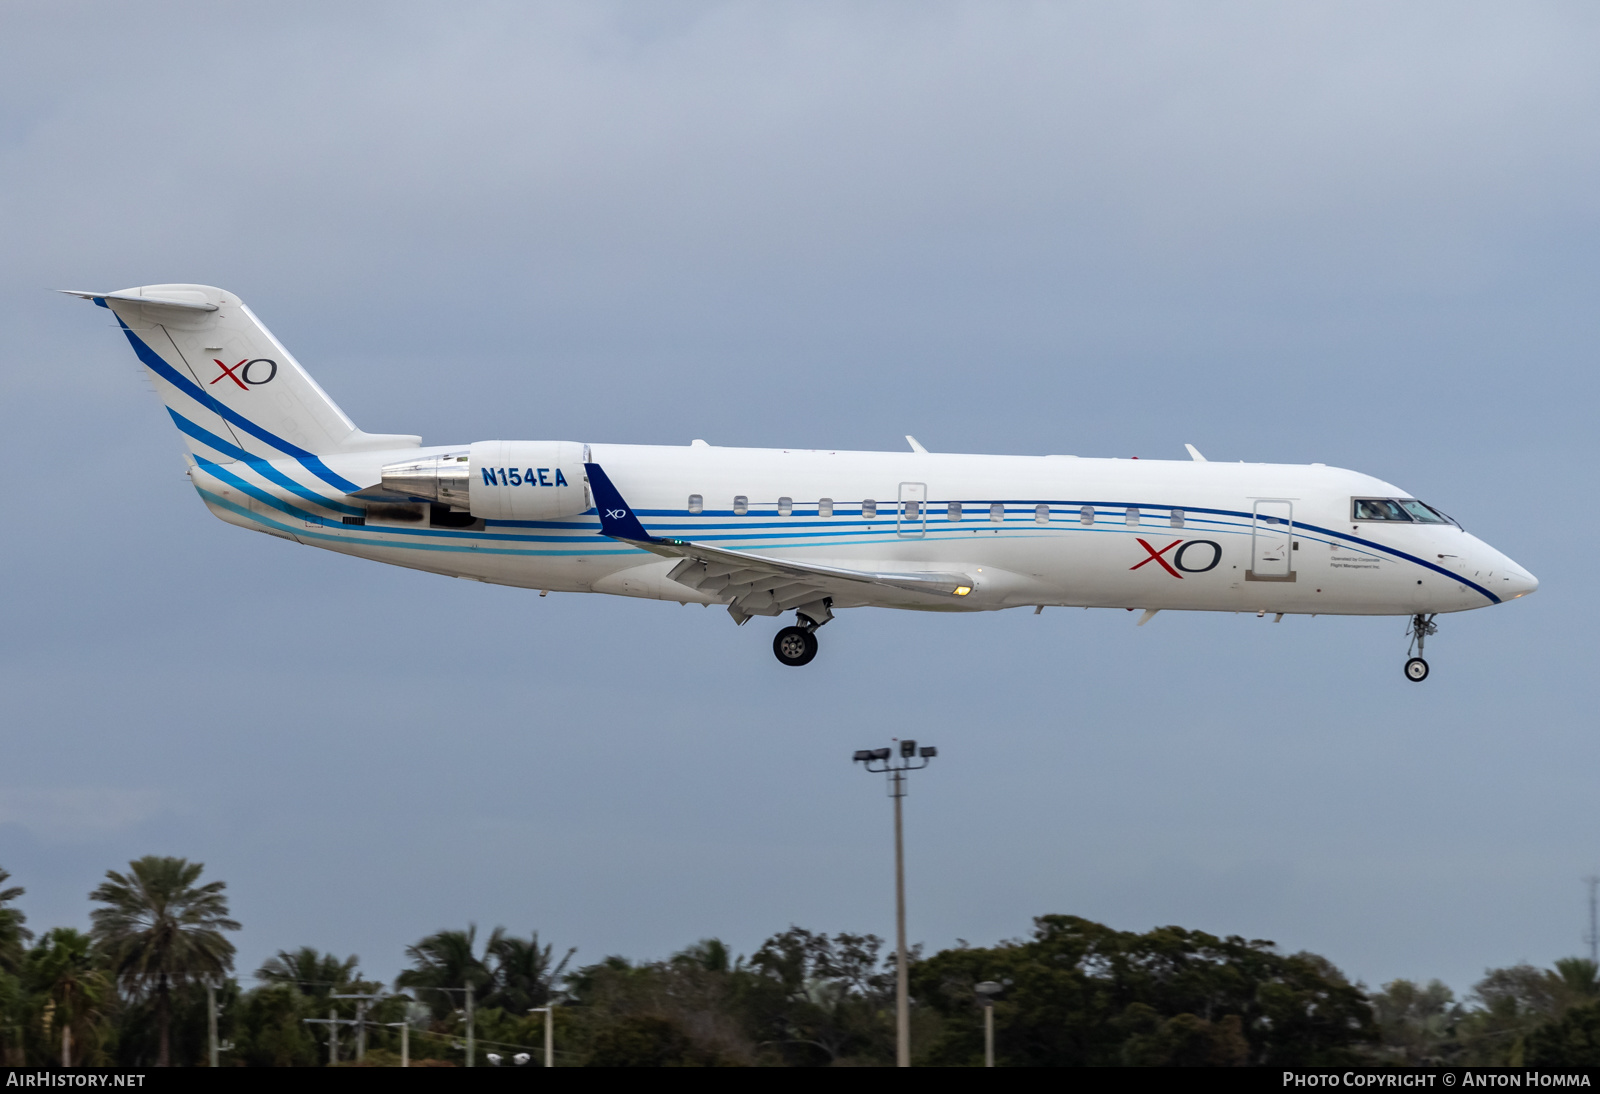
(1357, 233)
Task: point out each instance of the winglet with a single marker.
(916, 445)
(1194, 454)
(616, 518)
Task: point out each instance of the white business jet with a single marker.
(769, 531)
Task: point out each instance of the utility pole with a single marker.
(211, 1019)
(471, 1030)
(333, 1022)
(549, 1033)
(362, 1003)
(1593, 937)
(897, 790)
(405, 1041)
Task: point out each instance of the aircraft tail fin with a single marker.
(231, 388)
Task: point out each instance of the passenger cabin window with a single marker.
(741, 505)
(1377, 509)
(825, 507)
(1424, 513)
(697, 503)
(869, 508)
(1041, 514)
(952, 511)
(1086, 515)
(1132, 519)
(913, 510)
(1177, 518)
(785, 506)
(997, 513)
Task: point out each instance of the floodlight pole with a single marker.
(897, 790)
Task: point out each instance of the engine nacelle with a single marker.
(500, 480)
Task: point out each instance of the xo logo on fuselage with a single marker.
(241, 372)
(1180, 561)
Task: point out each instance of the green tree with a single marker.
(444, 964)
(13, 935)
(1072, 987)
(684, 1011)
(309, 971)
(1417, 1023)
(827, 1000)
(1511, 1003)
(1573, 1040)
(13, 999)
(525, 973)
(67, 978)
(1580, 979)
(161, 931)
(270, 1031)
(648, 1040)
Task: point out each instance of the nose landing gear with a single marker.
(797, 645)
(1419, 630)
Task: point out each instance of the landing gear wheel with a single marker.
(1416, 670)
(795, 646)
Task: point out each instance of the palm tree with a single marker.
(313, 973)
(443, 965)
(160, 931)
(67, 972)
(12, 932)
(1579, 976)
(523, 975)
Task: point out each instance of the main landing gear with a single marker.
(1419, 630)
(797, 645)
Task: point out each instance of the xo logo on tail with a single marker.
(1179, 561)
(242, 376)
(616, 514)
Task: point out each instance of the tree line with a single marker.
(152, 983)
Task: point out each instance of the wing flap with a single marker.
(756, 584)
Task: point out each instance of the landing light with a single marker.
(963, 590)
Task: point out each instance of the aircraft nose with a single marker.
(1518, 582)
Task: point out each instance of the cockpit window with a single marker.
(1405, 509)
(1424, 513)
(1377, 509)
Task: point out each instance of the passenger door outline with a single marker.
(1271, 541)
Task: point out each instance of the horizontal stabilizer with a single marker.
(134, 298)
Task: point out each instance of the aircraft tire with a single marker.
(1416, 670)
(795, 646)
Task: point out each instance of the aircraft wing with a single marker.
(753, 584)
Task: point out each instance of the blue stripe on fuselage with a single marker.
(309, 460)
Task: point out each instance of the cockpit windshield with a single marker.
(1377, 509)
(1397, 509)
(1424, 513)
